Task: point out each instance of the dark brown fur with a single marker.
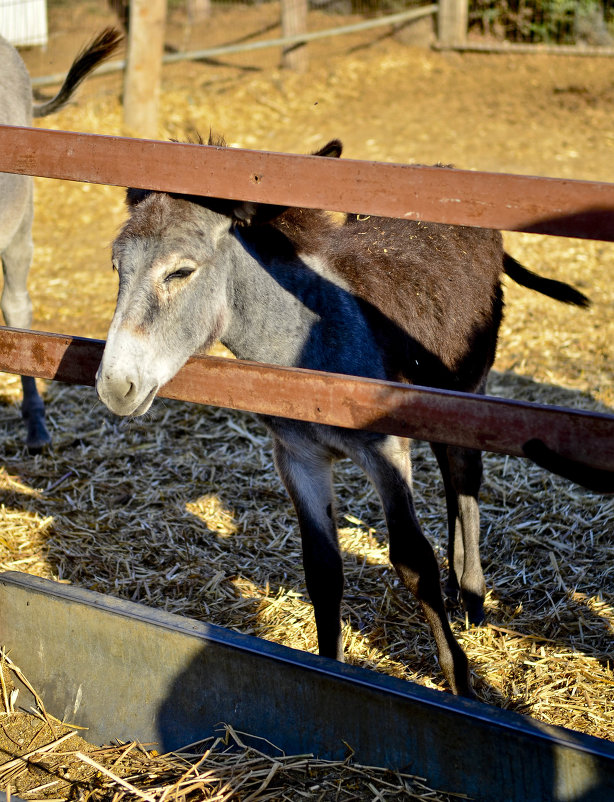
(430, 335)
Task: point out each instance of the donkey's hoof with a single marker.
(474, 608)
(38, 439)
(452, 597)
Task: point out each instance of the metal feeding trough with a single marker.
(126, 671)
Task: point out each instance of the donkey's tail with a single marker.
(558, 290)
(92, 55)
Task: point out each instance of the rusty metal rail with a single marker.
(490, 424)
(462, 197)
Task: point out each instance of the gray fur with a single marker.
(16, 201)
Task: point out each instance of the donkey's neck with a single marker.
(295, 313)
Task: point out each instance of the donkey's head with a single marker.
(171, 300)
(175, 258)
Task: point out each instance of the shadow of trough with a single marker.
(459, 746)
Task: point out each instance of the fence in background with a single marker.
(412, 14)
(583, 28)
(588, 34)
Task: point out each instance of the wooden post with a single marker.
(144, 67)
(452, 21)
(294, 21)
(198, 10)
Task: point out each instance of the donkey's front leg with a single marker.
(388, 465)
(33, 414)
(306, 472)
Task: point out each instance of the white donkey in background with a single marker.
(16, 200)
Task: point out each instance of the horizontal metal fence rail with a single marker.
(490, 424)
(563, 207)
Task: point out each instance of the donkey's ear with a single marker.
(332, 150)
(249, 213)
(245, 212)
(135, 196)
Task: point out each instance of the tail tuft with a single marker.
(92, 55)
(558, 290)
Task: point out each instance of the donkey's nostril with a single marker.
(119, 386)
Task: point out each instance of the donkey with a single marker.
(386, 299)
(16, 200)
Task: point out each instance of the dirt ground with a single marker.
(386, 100)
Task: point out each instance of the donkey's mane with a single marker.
(195, 138)
(216, 140)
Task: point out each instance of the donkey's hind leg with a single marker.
(461, 469)
(17, 311)
(33, 414)
(388, 466)
(306, 473)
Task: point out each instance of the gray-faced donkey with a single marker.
(16, 199)
(385, 299)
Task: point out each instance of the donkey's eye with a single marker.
(178, 275)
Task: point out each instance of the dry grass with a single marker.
(183, 510)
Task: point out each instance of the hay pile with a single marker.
(183, 510)
(42, 758)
